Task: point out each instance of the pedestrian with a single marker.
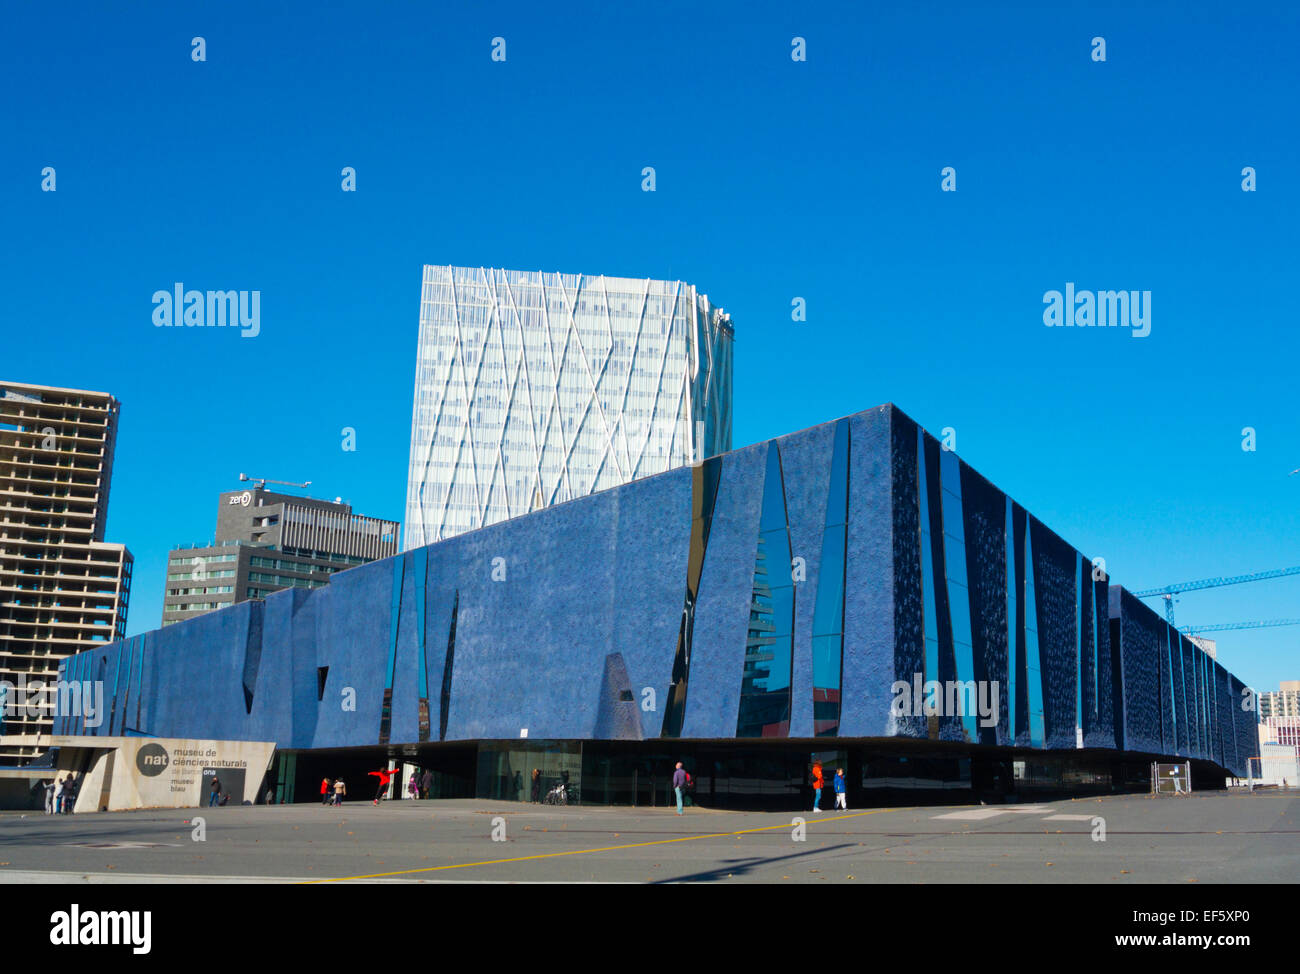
(537, 785)
(426, 783)
(841, 786)
(58, 795)
(413, 788)
(679, 782)
(325, 791)
(70, 790)
(49, 797)
(818, 780)
(214, 791)
(340, 792)
(385, 775)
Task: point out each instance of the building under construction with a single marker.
(63, 589)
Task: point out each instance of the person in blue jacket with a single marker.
(841, 787)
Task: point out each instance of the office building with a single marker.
(533, 388)
(1280, 730)
(265, 542)
(63, 589)
(1282, 702)
(786, 602)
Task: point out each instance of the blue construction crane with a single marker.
(1225, 626)
(1169, 591)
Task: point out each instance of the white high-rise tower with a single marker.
(534, 388)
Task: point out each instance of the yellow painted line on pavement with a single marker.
(584, 852)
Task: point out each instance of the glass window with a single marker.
(954, 559)
(828, 615)
(1172, 740)
(769, 657)
(1079, 576)
(1033, 670)
(929, 609)
(1011, 622)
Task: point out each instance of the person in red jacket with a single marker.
(324, 791)
(817, 781)
(384, 776)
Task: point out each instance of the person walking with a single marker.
(841, 785)
(426, 783)
(325, 790)
(214, 792)
(679, 783)
(818, 780)
(413, 787)
(340, 792)
(537, 785)
(385, 775)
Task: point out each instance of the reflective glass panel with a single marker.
(1011, 624)
(1078, 643)
(769, 659)
(828, 616)
(1033, 671)
(954, 556)
(927, 579)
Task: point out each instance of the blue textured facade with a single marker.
(660, 609)
(1173, 698)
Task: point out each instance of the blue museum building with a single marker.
(852, 595)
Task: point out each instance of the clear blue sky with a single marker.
(775, 179)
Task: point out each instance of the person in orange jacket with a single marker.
(818, 779)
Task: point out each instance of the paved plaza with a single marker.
(1204, 838)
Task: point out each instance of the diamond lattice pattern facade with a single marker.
(532, 389)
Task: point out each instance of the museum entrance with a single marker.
(298, 774)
